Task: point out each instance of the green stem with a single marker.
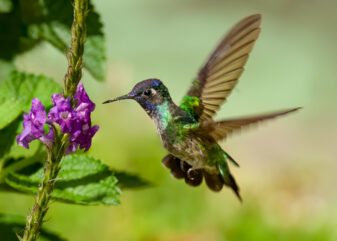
(35, 219)
(75, 53)
(52, 166)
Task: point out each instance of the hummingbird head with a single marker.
(149, 93)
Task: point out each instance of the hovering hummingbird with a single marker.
(188, 131)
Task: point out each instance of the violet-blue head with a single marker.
(149, 93)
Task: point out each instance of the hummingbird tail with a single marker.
(215, 181)
(228, 179)
(232, 184)
(231, 160)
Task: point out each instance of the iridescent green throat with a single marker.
(164, 115)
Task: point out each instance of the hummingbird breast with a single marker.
(170, 121)
(190, 149)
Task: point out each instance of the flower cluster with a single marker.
(74, 121)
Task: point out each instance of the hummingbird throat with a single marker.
(162, 115)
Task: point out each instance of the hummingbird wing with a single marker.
(220, 130)
(218, 76)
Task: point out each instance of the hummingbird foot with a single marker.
(184, 166)
(193, 177)
(193, 173)
(174, 164)
(180, 169)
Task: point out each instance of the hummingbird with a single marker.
(188, 131)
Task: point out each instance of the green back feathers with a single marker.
(191, 104)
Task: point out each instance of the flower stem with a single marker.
(35, 219)
(55, 154)
(75, 53)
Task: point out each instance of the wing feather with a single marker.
(221, 129)
(219, 75)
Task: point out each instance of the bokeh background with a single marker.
(288, 166)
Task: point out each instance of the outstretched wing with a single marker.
(220, 130)
(220, 73)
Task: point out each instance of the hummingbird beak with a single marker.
(123, 97)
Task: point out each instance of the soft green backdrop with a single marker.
(288, 166)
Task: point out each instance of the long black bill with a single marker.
(123, 97)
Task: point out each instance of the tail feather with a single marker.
(232, 184)
(213, 181)
(232, 160)
(228, 179)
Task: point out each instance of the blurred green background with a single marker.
(288, 166)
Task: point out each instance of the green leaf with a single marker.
(14, 39)
(6, 67)
(11, 225)
(50, 32)
(55, 28)
(10, 109)
(26, 165)
(8, 136)
(24, 23)
(94, 56)
(17, 91)
(128, 181)
(82, 180)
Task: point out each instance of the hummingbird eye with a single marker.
(149, 92)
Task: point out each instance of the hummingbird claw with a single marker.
(173, 164)
(184, 166)
(193, 177)
(193, 173)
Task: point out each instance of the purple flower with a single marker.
(74, 121)
(61, 113)
(33, 124)
(82, 132)
(82, 98)
(82, 138)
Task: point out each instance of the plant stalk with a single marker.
(55, 154)
(35, 219)
(75, 53)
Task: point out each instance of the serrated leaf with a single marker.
(54, 28)
(11, 225)
(25, 86)
(17, 91)
(27, 22)
(82, 180)
(26, 165)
